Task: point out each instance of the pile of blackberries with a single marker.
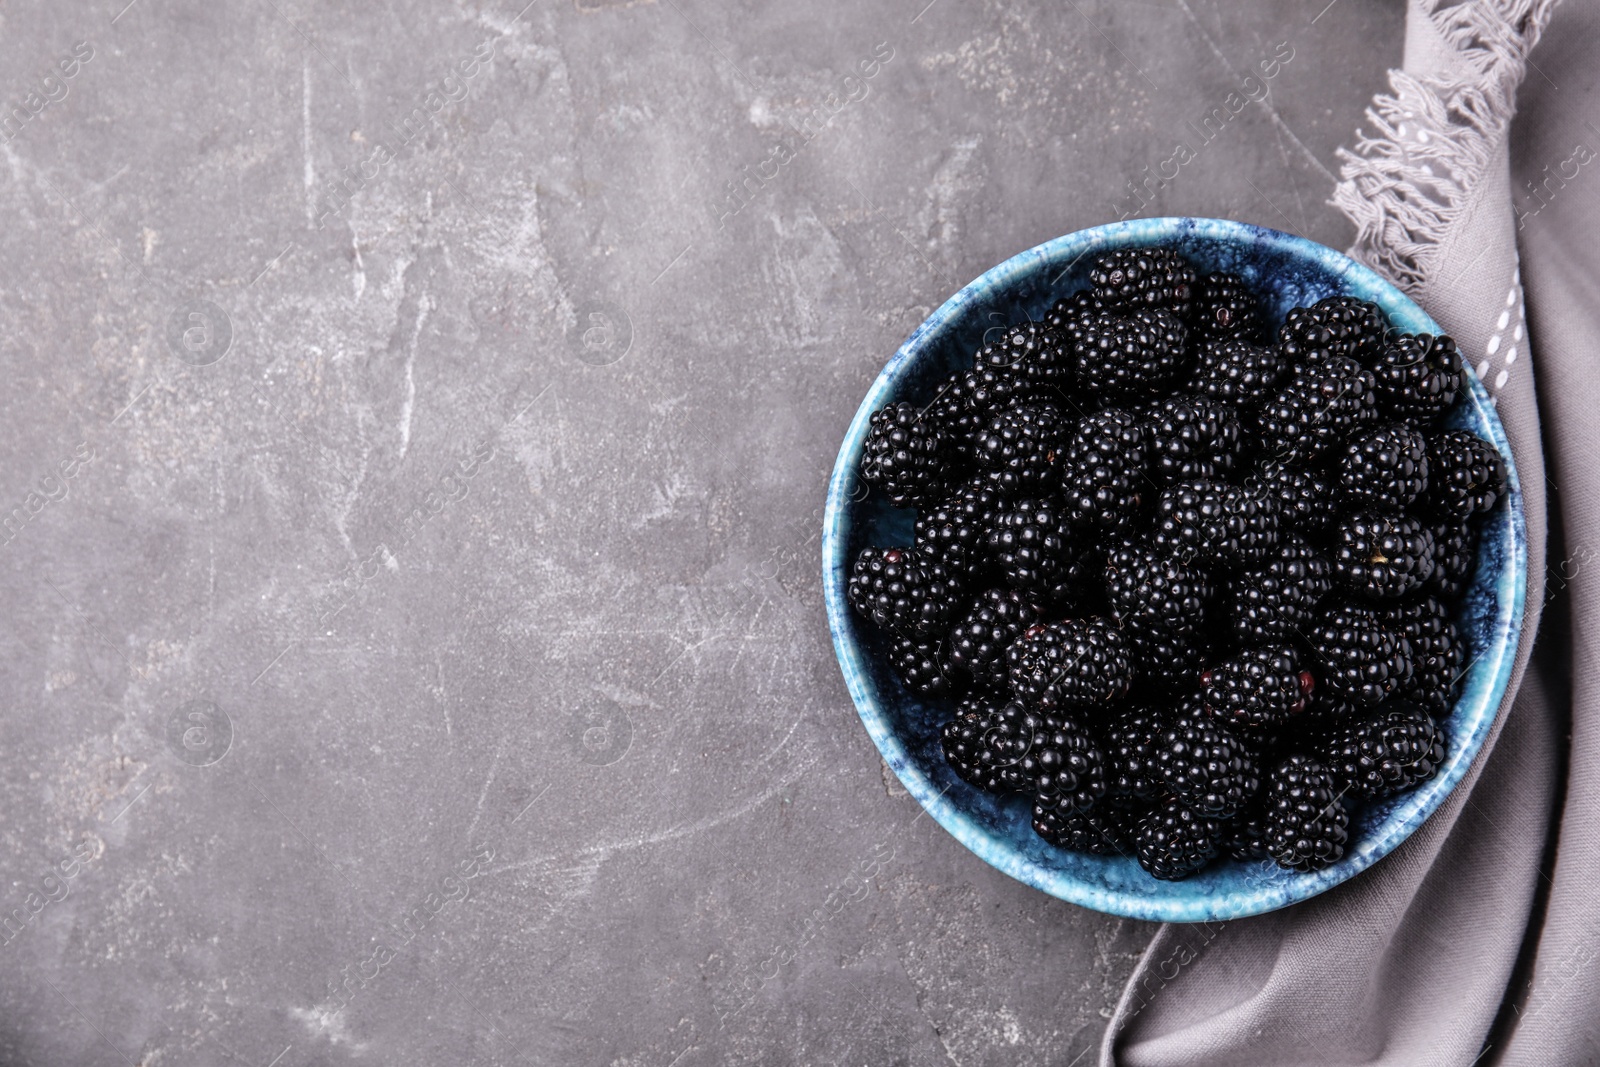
(1189, 587)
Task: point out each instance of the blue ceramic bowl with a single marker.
(1290, 271)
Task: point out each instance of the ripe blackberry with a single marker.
(1234, 371)
(1274, 601)
(961, 739)
(1211, 521)
(1385, 468)
(1130, 741)
(1011, 732)
(1397, 748)
(1359, 656)
(1302, 495)
(955, 533)
(1259, 689)
(1244, 838)
(1066, 768)
(1151, 589)
(1071, 662)
(1020, 447)
(1192, 437)
(1438, 655)
(1225, 307)
(1418, 377)
(958, 419)
(1038, 359)
(1304, 817)
(979, 641)
(1127, 354)
(1380, 556)
(1174, 841)
(1103, 478)
(1325, 401)
(1143, 278)
(1455, 547)
(902, 456)
(1466, 475)
(1078, 589)
(923, 665)
(1031, 543)
(1068, 313)
(1338, 326)
(901, 592)
(1207, 766)
(1166, 664)
(1094, 831)
(989, 389)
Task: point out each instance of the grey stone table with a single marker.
(416, 423)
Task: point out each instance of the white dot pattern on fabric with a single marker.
(1513, 303)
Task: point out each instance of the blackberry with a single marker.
(902, 457)
(1244, 838)
(1174, 841)
(1130, 354)
(1467, 475)
(1130, 740)
(923, 665)
(1274, 602)
(1143, 278)
(956, 532)
(1302, 495)
(1234, 371)
(1399, 747)
(1418, 377)
(1338, 326)
(1003, 760)
(1225, 307)
(1455, 547)
(1094, 831)
(958, 419)
(1259, 688)
(1360, 657)
(1379, 556)
(1211, 521)
(1020, 447)
(1165, 664)
(1066, 768)
(1078, 588)
(901, 592)
(1326, 400)
(1304, 817)
(986, 390)
(1031, 544)
(978, 643)
(1192, 437)
(1384, 468)
(1438, 655)
(963, 739)
(1072, 662)
(1103, 480)
(1207, 766)
(1068, 313)
(1037, 357)
(1147, 587)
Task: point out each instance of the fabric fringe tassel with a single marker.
(1435, 136)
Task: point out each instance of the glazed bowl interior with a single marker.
(1289, 271)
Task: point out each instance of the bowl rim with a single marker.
(1484, 686)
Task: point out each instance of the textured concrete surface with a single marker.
(416, 424)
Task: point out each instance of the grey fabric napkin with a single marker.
(1475, 942)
